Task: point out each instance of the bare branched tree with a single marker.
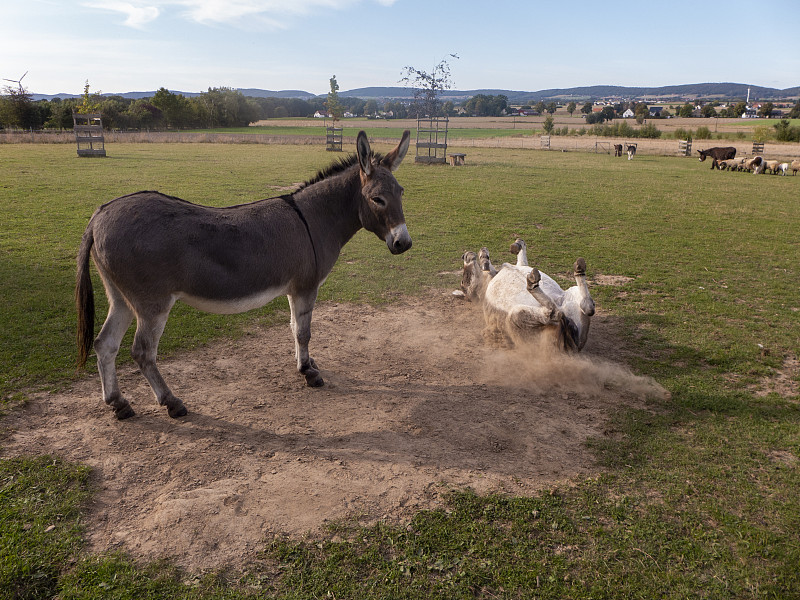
(428, 86)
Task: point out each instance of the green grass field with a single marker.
(695, 497)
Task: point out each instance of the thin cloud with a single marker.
(135, 16)
(270, 13)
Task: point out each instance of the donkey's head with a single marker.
(381, 211)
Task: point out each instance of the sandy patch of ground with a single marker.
(414, 402)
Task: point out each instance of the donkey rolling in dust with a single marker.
(152, 250)
(521, 303)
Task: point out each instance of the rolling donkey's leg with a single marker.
(106, 346)
(301, 309)
(534, 277)
(486, 263)
(149, 327)
(521, 250)
(587, 304)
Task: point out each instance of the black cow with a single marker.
(718, 154)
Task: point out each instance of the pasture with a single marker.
(694, 274)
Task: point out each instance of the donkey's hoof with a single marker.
(315, 381)
(124, 413)
(179, 410)
(534, 277)
(580, 266)
(517, 246)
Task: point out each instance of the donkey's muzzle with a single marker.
(398, 240)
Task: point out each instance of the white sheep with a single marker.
(755, 164)
(732, 164)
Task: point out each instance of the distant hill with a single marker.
(720, 91)
(252, 92)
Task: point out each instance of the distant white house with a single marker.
(750, 113)
(320, 115)
(628, 114)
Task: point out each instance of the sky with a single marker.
(192, 45)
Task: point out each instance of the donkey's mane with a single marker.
(337, 167)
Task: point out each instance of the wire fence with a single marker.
(569, 143)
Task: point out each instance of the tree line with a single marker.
(217, 107)
(226, 107)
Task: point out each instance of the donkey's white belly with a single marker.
(234, 305)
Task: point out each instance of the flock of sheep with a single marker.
(757, 164)
(725, 159)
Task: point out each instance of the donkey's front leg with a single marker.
(301, 308)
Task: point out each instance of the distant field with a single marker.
(526, 124)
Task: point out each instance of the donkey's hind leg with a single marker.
(106, 346)
(145, 349)
(586, 302)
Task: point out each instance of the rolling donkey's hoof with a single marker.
(124, 412)
(483, 258)
(534, 277)
(517, 246)
(580, 266)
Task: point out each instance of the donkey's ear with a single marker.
(363, 152)
(396, 156)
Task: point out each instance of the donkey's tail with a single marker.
(84, 299)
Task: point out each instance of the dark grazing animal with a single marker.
(617, 149)
(152, 250)
(717, 154)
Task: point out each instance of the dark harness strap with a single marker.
(290, 201)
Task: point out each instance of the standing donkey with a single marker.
(152, 250)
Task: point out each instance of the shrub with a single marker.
(650, 131)
(784, 132)
(703, 133)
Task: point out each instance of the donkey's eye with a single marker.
(379, 201)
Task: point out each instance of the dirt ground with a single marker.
(415, 403)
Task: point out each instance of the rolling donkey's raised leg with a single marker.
(106, 346)
(587, 304)
(534, 277)
(149, 328)
(301, 309)
(485, 262)
(521, 250)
